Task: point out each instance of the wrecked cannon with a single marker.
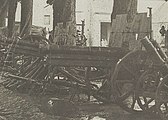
(135, 80)
(43, 68)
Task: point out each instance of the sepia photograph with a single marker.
(83, 59)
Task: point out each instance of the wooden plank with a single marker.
(123, 20)
(138, 27)
(117, 30)
(111, 39)
(119, 37)
(143, 28)
(130, 36)
(28, 53)
(82, 57)
(71, 76)
(86, 50)
(64, 62)
(153, 53)
(125, 31)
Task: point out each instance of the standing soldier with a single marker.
(162, 31)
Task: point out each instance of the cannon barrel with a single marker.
(159, 50)
(153, 53)
(158, 57)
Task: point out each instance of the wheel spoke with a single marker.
(126, 95)
(145, 100)
(165, 86)
(124, 81)
(165, 104)
(140, 103)
(148, 102)
(134, 102)
(120, 89)
(131, 72)
(152, 109)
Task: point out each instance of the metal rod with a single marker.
(150, 16)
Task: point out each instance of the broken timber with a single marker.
(42, 62)
(78, 86)
(69, 55)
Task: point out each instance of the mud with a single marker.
(24, 107)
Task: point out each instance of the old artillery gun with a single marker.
(137, 80)
(144, 89)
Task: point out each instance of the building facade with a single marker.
(97, 17)
(42, 14)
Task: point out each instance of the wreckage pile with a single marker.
(39, 68)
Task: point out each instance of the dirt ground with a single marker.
(16, 106)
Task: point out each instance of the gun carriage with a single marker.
(136, 80)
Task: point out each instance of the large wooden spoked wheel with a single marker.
(162, 98)
(124, 80)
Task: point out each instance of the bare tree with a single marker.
(11, 17)
(26, 16)
(3, 12)
(124, 7)
(64, 21)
